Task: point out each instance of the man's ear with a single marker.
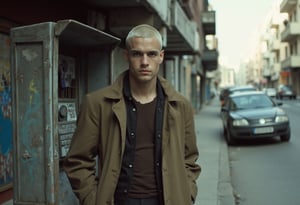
(161, 55)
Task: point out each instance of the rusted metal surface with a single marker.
(34, 145)
(38, 177)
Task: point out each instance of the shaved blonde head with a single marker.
(143, 31)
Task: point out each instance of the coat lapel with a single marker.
(118, 109)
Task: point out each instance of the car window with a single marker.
(285, 88)
(240, 103)
(251, 101)
(241, 89)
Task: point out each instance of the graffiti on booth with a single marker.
(6, 164)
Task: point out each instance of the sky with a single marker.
(237, 24)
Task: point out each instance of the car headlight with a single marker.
(240, 122)
(281, 118)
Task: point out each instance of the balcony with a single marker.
(291, 31)
(210, 59)
(123, 15)
(161, 8)
(182, 36)
(291, 62)
(155, 6)
(276, 67)
(266, 72)
(274, 22)
(288, 5)
(274, 76)
(209, 22)
(266, 55)
(188, 6)
(275, 45)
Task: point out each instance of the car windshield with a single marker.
(251, 102)
(270, 90)
(245, 89)
(285, 88)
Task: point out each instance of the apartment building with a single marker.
(290, 66)
(274, 50)
(277, 57)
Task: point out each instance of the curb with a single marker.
(225, 190)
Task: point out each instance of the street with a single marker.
(267, 172)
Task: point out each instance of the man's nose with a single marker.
(145, 58)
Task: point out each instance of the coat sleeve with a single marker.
(80, 163)
(191, 151)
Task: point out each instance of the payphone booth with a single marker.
(53, 65)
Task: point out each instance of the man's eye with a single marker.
(136, 54)
(152, 54)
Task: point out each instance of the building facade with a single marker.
(277, 57)
(290, 66)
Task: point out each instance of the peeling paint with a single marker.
(30, 132)
(29, 54)
(6, 163)
(32, 90)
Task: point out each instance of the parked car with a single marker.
(270, 92)
(249, 115)
(243, 88)
(232, 89)
(285, 91)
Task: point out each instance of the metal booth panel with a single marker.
(38, 147)
(35, 158)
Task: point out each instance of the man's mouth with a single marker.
(144, 71)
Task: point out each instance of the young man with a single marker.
(141, 131)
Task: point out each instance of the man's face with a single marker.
(144, 58)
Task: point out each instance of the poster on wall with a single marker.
(6, 164)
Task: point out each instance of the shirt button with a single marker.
(125, 191)
(132, 134)
(130, 165)
(157, 164)
(158, 135)
(133, 109)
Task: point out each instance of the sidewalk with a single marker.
(214, 187)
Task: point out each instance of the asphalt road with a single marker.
(267, 172)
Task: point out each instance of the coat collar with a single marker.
(116, 91)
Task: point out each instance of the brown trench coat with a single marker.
(101, 131)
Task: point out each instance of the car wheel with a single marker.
(229, 139)
(285, 138)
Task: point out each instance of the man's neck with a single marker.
(143, 93)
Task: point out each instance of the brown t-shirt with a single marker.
(143, 181)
